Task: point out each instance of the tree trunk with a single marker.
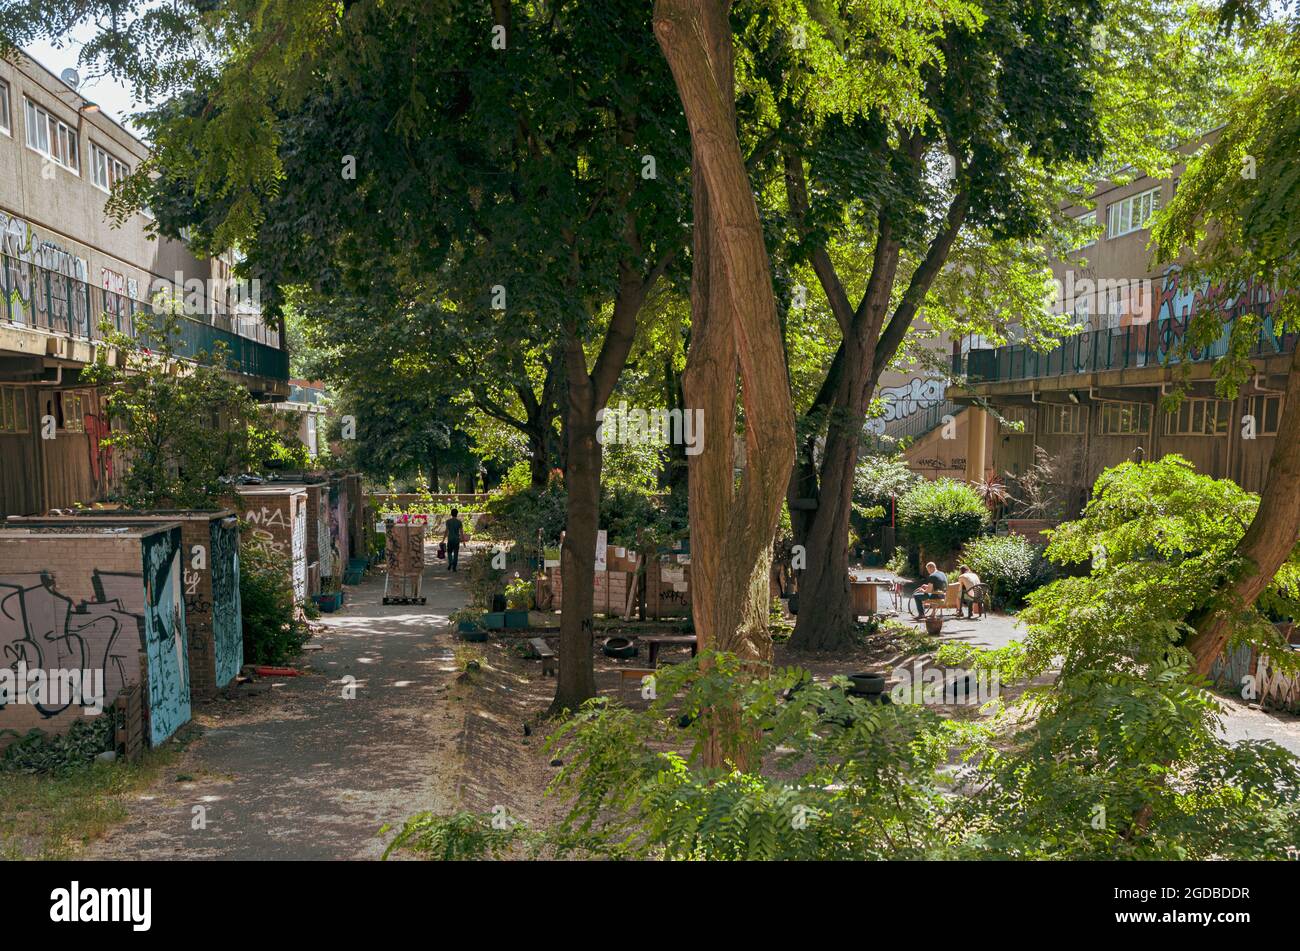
(1268, 541)
(576, 681)
(734, 325)
(539, 458)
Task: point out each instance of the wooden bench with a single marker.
(658, 640)
(548, 656)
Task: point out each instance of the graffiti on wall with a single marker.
(906, 399)
(51, 299)
(300, 551)
(324, 541)
(45, 629)
(284, 537)
(227, 628)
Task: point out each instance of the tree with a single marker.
(183, 425)
(1235, 221)
(969, 167)
(735, 331)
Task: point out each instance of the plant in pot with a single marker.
(330, 598)
(469, 624)
(519, 598)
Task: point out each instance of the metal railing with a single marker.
(1155, 343)
(37, 297)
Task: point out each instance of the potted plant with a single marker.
(519, 598)
(469, 624)
(330, 598)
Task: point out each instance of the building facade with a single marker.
(1096, 399)
(65, 268)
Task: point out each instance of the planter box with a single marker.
(329, 603)
(353, 577)
(494, 620)
(472, 632)
(515, 618)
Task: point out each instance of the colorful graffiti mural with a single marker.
(227, 627)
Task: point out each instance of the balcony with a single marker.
(1153, 344)
(41, 299)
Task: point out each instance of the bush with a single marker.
(941, 516)
(272, 631)
(1010, 565)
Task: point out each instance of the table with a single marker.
(657, 640)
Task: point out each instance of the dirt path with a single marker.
(299, 772)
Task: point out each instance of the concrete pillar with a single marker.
(976, 443)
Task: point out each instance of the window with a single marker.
(13, 409)
(1017, 414)
(1199, 417)
(1266, 410)
(4, 107)
(1132, 213)
(1125, 419)
(72, 412)
(1065, 420)
(51, 137)
(105, 170)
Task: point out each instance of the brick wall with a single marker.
(104, 599)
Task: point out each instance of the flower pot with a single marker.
(472, 632)
(494, 620)
(516, 618)
(866, 683)
(934, 625)
(467, 627)
(330, 602)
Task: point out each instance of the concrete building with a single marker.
(64, 266)
(1094, 401)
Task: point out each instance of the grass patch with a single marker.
(55, 815)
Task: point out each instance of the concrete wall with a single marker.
(106, 599)
(47, 205)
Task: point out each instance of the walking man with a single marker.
(453, 530)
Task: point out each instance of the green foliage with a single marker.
(1159, 537)
(941, 515)
(1010, 565)
(273, 633)
(184, 425)
(519, 594)
(518, 516)
(460, 837)
(1234, 220)
(39, 752)
(879, 478)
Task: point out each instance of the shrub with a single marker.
(942, 515)
(273, 632)
(1010, 565)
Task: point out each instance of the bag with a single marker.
(442, 550)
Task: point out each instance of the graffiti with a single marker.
(59, 298)
(904, 400)
(101, 453)
(324, 546)
(165, 636)
(300, 551)
(267, 517)
(42, 628)
(227, 627)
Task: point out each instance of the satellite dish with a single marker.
(71, 77)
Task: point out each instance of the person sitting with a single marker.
(968, 580)
(935, 587)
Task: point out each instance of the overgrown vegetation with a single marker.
(273, 631)
(941, 516)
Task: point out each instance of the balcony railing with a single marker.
(43, 299)
(1155, 343)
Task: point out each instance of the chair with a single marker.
(979, 594)
(951, 602)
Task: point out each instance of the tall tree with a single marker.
(1235, 222)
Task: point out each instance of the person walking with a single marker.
(453, 529)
